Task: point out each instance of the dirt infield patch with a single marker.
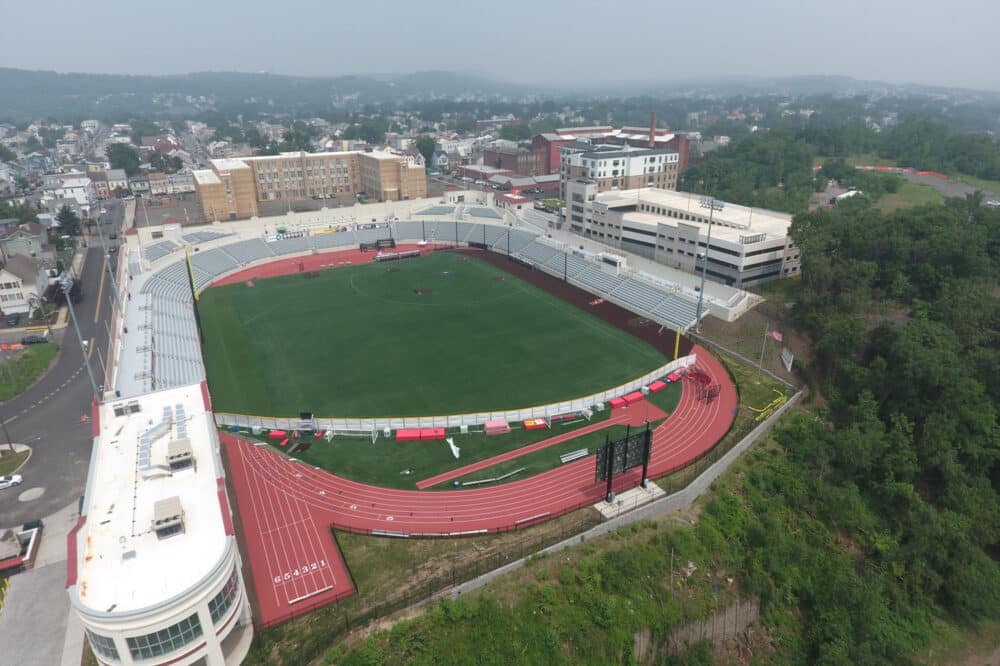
(421, 292)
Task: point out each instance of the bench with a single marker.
(573, 455)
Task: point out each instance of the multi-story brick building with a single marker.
(516, 160)
(232, 187)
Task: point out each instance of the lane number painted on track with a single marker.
(300, 571)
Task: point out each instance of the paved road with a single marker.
(47, 416)
(949, 188)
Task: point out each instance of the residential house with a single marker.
(99, 180)
(26, 240)
(178, 183)
(117, 181)
(139, 184)
(159, 184)
(441, 162)
(75, 187)
(23, 281)
(37, 162)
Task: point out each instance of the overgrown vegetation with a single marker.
(18, 373)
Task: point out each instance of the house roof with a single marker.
(23, 267)
(29, 228)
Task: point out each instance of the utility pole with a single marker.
(712, 205)
(66, 284)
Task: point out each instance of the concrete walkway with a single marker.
(37, 626)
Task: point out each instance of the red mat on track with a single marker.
(299, 503)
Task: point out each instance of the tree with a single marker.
(125, 157)
(426, 145)
(6, 154)
(165, 163)
(21, 212)
(68, 221)
(518, 132)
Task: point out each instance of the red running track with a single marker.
(288, 507)
(638, 415)
(314, 262)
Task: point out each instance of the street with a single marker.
(47, 416)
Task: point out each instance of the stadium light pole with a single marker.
(712, 205)
(66, 284)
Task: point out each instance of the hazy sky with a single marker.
(534, 41)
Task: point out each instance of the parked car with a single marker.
(34, 340)
(13, 320)
(10, 481)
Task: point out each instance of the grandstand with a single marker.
(166, 352)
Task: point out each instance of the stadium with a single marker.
(441, 376)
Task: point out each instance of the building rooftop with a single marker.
(116, 174)
(230, 164)
(610, 151)
(122, 564)
(205, 177)
(732, 222)
(384, 155)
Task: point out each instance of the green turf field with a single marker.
(362, 342)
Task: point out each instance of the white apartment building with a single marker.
(748, 246)
(614, 167)
(153, 567)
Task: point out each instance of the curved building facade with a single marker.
(154, 570)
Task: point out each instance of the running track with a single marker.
(287, 507)
(313, 262)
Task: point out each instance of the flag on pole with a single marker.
(776, 335)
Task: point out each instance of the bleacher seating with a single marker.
(437, 210)
(638, 294)
(536, 253)
(372, 235)
(250, 250)
(331, 240)
(676, 310)
(480, 211)
(290, 245)
(214, 262)
(159, 250)
(203, 236)
(408, 230)
(597, 281)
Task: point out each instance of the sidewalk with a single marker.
(37, 625)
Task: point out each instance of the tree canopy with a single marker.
(426, 146)
(122, 156)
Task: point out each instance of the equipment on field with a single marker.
(455, 451)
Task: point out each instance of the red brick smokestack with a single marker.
(652, 131)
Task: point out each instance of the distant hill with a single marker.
(73, 96)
